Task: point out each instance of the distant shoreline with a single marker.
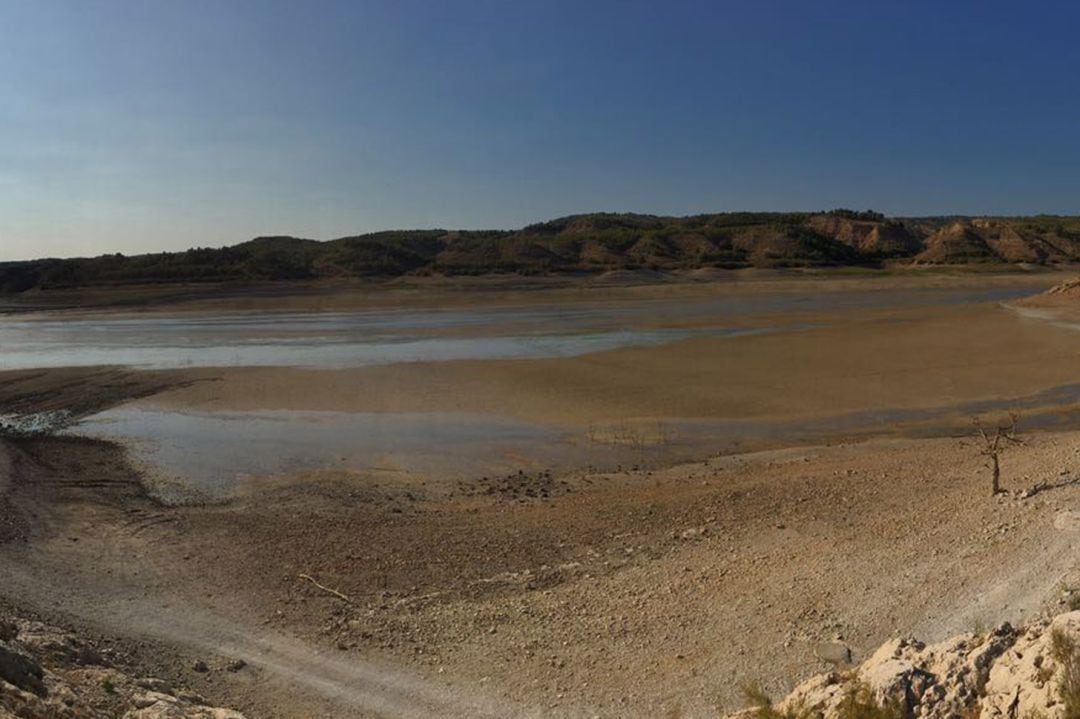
(349, 294)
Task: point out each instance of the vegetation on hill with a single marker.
(585, 244)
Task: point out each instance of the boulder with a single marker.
(21, 671)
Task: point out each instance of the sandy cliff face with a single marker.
(993, 240)
(956, 243)
(1005, 674)
(870, 238)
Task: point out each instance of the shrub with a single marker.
(763, 707)
(858, 703)
(1065, 651)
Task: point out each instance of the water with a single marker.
(213, 453)
(358, 339)
(64, 349)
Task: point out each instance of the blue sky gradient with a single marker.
(138, 126)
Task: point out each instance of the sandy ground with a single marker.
(639, 593)
(855, 361)
(636, 594)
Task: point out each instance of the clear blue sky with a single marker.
(134, 126)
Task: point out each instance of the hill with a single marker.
(587, 244)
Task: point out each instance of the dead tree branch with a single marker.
(993, 444)
(326, 589)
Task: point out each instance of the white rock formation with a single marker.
(1007, 674)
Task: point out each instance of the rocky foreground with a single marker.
(1009, 673)
(46, 673)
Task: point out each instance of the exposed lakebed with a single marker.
(213, 453)
(359, 339)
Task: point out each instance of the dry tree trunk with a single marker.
(994, 445)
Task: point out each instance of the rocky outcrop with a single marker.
(1069, 287)
(1009, 243)
(46, 673)
(1006, 674)
(958, 243)
(998, 240)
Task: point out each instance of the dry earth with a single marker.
(620, 595)
(647, 592)
(871, 360)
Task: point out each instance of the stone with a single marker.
(1067, 520)
(22, 672)
(47, 673)
(1007, 673)
(156, 685)
(833, 652)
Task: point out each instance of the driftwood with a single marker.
(326, 589)
(1046, 486)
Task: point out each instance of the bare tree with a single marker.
(993, 444)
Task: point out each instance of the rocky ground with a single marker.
(47, 673)
(637, 593)
(1031, 671)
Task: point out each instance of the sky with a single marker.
(133, 126)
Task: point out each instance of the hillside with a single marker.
(587, 244)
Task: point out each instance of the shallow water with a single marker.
(149, 351)
(357, 339)
(212, 453)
